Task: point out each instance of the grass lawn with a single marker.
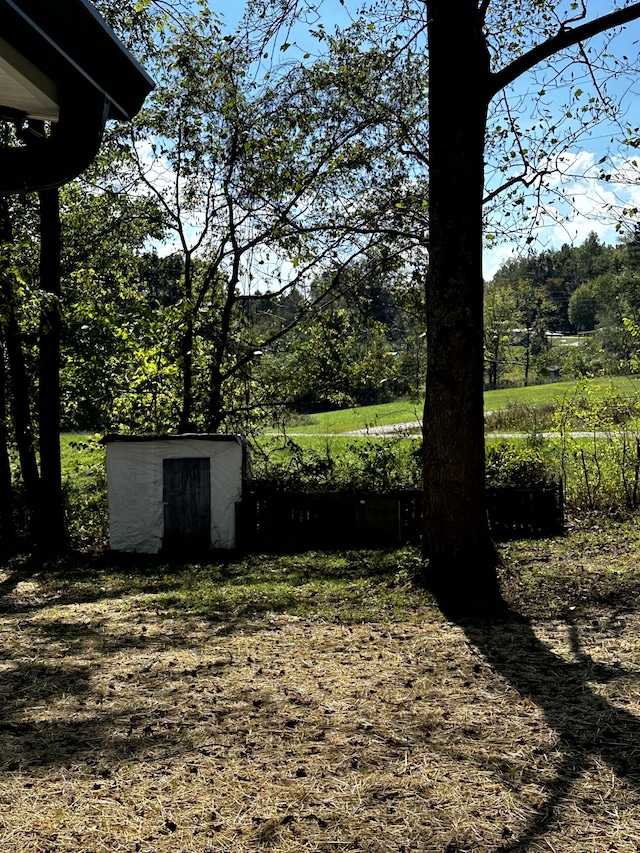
(346, 420)
(319, 702)
(540, 394)
(361, 417)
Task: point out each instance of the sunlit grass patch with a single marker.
(361, 417)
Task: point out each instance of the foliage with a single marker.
(261, 187)
(583, 307)
(332, 362)
(118, 371)
(267, 182)
(591, 287)
(523, 466)
(363, 465)
(599, 452)
(499, 320)
(591, 441)
(85, 490)
(521, 417)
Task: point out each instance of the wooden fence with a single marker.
(271, 520)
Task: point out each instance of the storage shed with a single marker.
(173, 493)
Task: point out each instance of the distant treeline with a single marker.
(591, 290)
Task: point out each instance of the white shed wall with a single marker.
(134, 483)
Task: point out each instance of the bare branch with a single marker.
(565, 37)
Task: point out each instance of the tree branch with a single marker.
(566, 37)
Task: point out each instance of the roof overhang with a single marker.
(24, 88)
(61, 63)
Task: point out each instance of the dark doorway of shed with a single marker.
(186, 494)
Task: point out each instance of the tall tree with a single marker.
(265, 179)
(499, 320)
(116, 338)
(12, 288)
(468, 67)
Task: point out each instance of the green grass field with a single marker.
(348, 420)
(533, 395)
(362, 417)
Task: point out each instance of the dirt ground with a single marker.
(128, 724)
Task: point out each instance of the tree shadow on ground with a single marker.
(588, 726)
(84, 579)
(53, 651)
(22, 569)
(57, 713)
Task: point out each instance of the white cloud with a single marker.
(579, 201)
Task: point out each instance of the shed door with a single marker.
(186, 494)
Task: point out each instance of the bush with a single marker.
(85, 489)
(374, 465)
(383, 466)
(521, 417)
(521, 466)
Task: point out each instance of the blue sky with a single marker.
(595, 205)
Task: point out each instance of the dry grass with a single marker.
(133, 722)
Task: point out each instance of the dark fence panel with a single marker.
(284, 521)
(526, 513)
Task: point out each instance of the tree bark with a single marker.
(460, 558)
(52, 533)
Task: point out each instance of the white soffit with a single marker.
(24, 87)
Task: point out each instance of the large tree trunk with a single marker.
(52, 534)
(461, 560)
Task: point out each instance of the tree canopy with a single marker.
(268, 170)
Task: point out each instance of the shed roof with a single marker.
(191, 436)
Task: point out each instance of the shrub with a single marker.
(374, 465)
(521, 417)
(522, 466)
(85, 489)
